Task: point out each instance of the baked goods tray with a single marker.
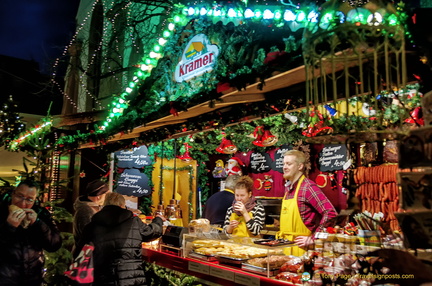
(230, 260)
(259, 270)
(273, 242)
(203, 257)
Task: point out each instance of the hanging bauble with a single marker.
(186, 157)
(268, 139)
(258, 134)
(226, 147)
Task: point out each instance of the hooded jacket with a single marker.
(117, 236)
(21, 249)
(84, 210)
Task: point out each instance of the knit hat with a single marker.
(96, 188)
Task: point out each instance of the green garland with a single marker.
(158, 275)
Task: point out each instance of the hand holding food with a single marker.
(239, 207)
(17, 216)
(31, 216)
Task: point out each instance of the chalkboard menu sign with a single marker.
(279, 157)
(133, 158)
(333, 157)
(133, 183)
(260, 162)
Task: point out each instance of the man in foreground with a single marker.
(26, 230)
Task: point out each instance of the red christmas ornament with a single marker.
(416, 116)
(226, 147)
(186, 156)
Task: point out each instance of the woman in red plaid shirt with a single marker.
(305, 208)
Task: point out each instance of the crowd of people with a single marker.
(101, 218)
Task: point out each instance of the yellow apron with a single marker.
(291, 223)
(241, 229)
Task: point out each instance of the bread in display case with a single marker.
(246, 253)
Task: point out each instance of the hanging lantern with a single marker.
(226, 147)
(186, 157)
(268, 139)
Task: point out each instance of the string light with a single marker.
(178, 16)
(34, 131)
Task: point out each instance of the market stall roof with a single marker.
(252, 93)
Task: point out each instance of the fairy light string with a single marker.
(177, 16)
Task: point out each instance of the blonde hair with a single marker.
(114, 199)
(244, 182)
(299, 155)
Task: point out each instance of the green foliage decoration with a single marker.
(159, 275)
(56, 263)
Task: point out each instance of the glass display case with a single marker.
(255, 255)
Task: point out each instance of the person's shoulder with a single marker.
(258, 203)
(310, 184)
(42, 212)
(259, 206)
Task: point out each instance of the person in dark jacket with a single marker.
(26, 230)
(86, 206)
(218, 204)
(117, 236)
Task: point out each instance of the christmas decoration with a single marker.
(292, 118)
(268, 182)
(10, 122)
(186, 156)
(226, 147)
(257, 134)
(330, 110)
(416, 117)
(234, 167)
(321, 180)
(268, 139)
(219, 170)
(356, 3)
(316, 126)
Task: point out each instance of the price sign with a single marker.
(222, 273)
(260, 162)
(133, 158)
(279, 157)
(243, 279)
(133, 183)
(333, 157)
(198, 267)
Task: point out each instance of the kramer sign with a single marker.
(198, 57)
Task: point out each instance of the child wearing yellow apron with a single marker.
(246, 216)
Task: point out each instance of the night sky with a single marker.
(36, 29)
